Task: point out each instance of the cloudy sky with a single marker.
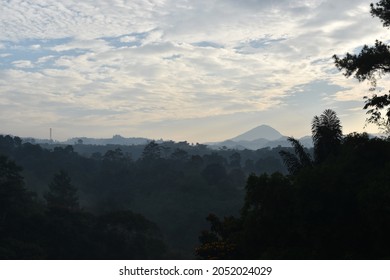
(196, 70)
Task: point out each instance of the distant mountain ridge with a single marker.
(257, 138)
(115, 140)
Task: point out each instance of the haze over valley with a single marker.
(259, 137)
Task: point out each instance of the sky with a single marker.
(195, 70)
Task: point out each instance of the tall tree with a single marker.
(62, 194)
(326, 133)
(151, 151)
(371, 63)
(14, 198)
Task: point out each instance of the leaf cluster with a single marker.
(370, 64)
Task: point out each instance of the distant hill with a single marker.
(115, 140)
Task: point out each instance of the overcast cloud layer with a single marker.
(199, 70)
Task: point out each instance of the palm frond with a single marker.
(326, 133)
(303, 156)
(291, 161)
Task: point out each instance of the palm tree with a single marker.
(297, 161)
(327, 134)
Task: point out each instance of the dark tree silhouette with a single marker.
(217, 242)
(371, 63)
(17, 215)
(327, 134)
(297, 161)
(152, 151)
(381, 10)
(13, 196)
(179, 154)
(62, 194)
(113, 155)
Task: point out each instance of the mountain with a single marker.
(262, 131)
(258, 138)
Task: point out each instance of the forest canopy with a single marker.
(170, 186)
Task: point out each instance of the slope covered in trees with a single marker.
(174, 185)
(58, 229)
(336, 207)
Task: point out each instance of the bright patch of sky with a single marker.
(181, 70)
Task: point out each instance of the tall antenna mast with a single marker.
(51, 139)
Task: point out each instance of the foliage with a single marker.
(326, 134)
(377, 103)
(152, 151)
(62, 194)
(295, 162)
(371, 63)
(218, 242)
(381, 10)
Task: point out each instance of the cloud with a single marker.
(23, 64)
